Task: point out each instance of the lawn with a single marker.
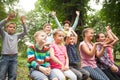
(22, 69)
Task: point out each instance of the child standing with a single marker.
(39, 57)
(59, 59)
(88, 52)
(70, 42)
(8, 60)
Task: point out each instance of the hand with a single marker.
(107, 45)
(53, 13)
(107, 28)
(11, 16)
(23, 19)
(78, 13)
(114, 68)
(62, 67)
(97, 43)
(66, 68)
(45, 70)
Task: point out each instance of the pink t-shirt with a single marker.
(87, 60)
(59, 52)
(110, 55)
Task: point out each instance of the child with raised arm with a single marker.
(67, 24)
(74, 60)
(104, 61)
(39, 57)
(8, 60)
(59, 59)
(111, 39)
(88, 52)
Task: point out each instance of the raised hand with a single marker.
(23, 19)
(107, 28)
(53, 13)
(78, 13)
(11, 16)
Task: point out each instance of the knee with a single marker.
(61, 77)
(79, 75)
(73, 77)
(45, 79)
(87, 74)
(55, 79)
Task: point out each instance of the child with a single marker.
(111, 39)
(104, 61)
(67, 25)
(59, 59)
(38, 58)
(88, 52)
(8, 60)
(70, 42)
(48, 30)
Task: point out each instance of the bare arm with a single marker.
(86, 50)
(54, 58)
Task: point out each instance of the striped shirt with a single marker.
(37, 57)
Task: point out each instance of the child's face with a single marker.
(101, 37)
(72, 40)
(59, 37)
(47, 29)
(90, 34)
(10, 28)
(66, 27)
(41, 37)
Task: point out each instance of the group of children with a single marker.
(54, 55)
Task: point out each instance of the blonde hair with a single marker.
(46, 24)
(85, 31)
(37, 33)
(55, 32)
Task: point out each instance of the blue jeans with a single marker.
(96, 73)
(8, 64)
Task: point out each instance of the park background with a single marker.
(104, 13)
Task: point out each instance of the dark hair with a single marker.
(98, 35)
(67, 21)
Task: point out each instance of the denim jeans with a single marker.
(8, 65)
(96, 73)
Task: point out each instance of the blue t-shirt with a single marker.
(72, 54)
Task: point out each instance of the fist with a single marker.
(11, 16)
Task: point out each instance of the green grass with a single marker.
(22, 72)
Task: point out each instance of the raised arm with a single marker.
(115, 38)
(56, 20)
(2, 23)
(76, 20)
(23, 20)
